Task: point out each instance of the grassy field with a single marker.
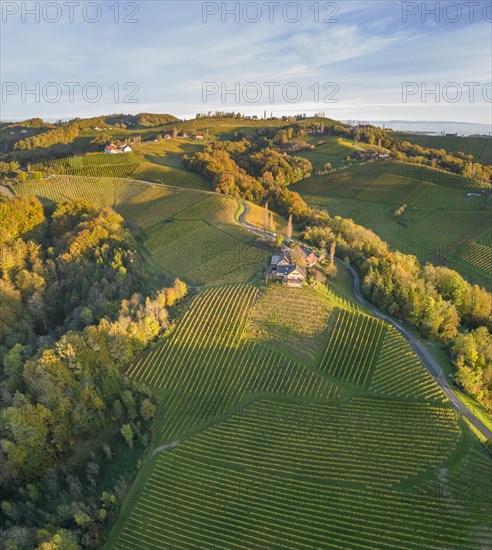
(479, 147)
(330, 149)
(103, 191)
(155, 163)
(356, 448)
(162, 163)
(446, 218)
(203, 244)
(256, 217)
(188, 233)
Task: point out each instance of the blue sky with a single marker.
(362, 56)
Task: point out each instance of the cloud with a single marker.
(171, 52)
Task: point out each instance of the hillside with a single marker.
(279, 407)
(259, 438)
(479, 147)
(188, 234)
(445, 219)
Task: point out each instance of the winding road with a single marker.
(424, 354)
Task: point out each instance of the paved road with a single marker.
(424, 354)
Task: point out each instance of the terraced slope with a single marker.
(301, 476)
(359, 450)
(210, 370)
(353, 348)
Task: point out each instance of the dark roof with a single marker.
(288, 269)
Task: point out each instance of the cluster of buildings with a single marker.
(113, 149)
(290, 266)
(186, 135)
(370, 155)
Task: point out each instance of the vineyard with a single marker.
(211, 369)
(353, 347)
(451, 228)
(279, 475)
(399, 373)
(294, 320)
(477, 255)
(158, 203)
(289, 418)
(479, 147)
(152, 168)
(142, 203)
(202, 244)
(97, 165)
(189, 233)
(486, 239)
(102, 191)
(442, 212)
(389, 188)
(273, 451)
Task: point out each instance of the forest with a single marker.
(72, 315)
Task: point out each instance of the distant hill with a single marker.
(479, 147)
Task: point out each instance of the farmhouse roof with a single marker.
(286, 270)
(275, 259)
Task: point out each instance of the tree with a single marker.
(266, 217)
(147, 409)
(288, 232)
(86, 316)
(180, 289)
(127, 433)
(333, 248)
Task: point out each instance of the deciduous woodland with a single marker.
(73, 314)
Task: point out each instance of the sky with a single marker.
(351, 59)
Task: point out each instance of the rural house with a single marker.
(111, 149)
(290, 265)
(291, 275)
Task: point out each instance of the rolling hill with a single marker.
(288, 418)
(444, 217)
